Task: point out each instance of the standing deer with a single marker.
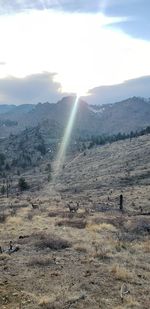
(73, 208)
(35, 206)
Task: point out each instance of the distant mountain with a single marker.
(132, 114)
(6, 108)
(125, 116)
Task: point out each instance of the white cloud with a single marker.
(80, 48)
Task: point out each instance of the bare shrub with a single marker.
(142, 226)
(53, 214)
(51, 241)
(79, 224)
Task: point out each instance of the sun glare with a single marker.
(58, 164)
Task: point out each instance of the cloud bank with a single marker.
(139, 87)
(31, 89)
(42, 88)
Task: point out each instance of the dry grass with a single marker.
(40, 261)
(30, 215)
(48, 303)
(4, 256)
(81, 248)
(129, 303)
(101, 227)
(146, 246)
(120, 273)
(14, 221)
(143, 246)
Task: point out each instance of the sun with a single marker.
(73, 84)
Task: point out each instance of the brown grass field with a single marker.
(81, 260)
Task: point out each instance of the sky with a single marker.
(98, 49)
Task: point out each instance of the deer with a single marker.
(35, 206)
(73, 208)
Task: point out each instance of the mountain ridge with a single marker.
(128, 115)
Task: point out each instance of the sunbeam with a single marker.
(65, 141)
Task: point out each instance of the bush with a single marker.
(52, 242)
(53, 214)
(48, 168)
(22, 184)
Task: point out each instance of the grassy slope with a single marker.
(110, 249)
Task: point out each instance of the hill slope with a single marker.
(82, 259)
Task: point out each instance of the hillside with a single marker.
(29, 147)
(80, 259)
(129, 115)
(125, 116)
(100, 172)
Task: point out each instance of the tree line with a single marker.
(104, 139)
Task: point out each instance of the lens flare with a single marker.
(58, 164)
